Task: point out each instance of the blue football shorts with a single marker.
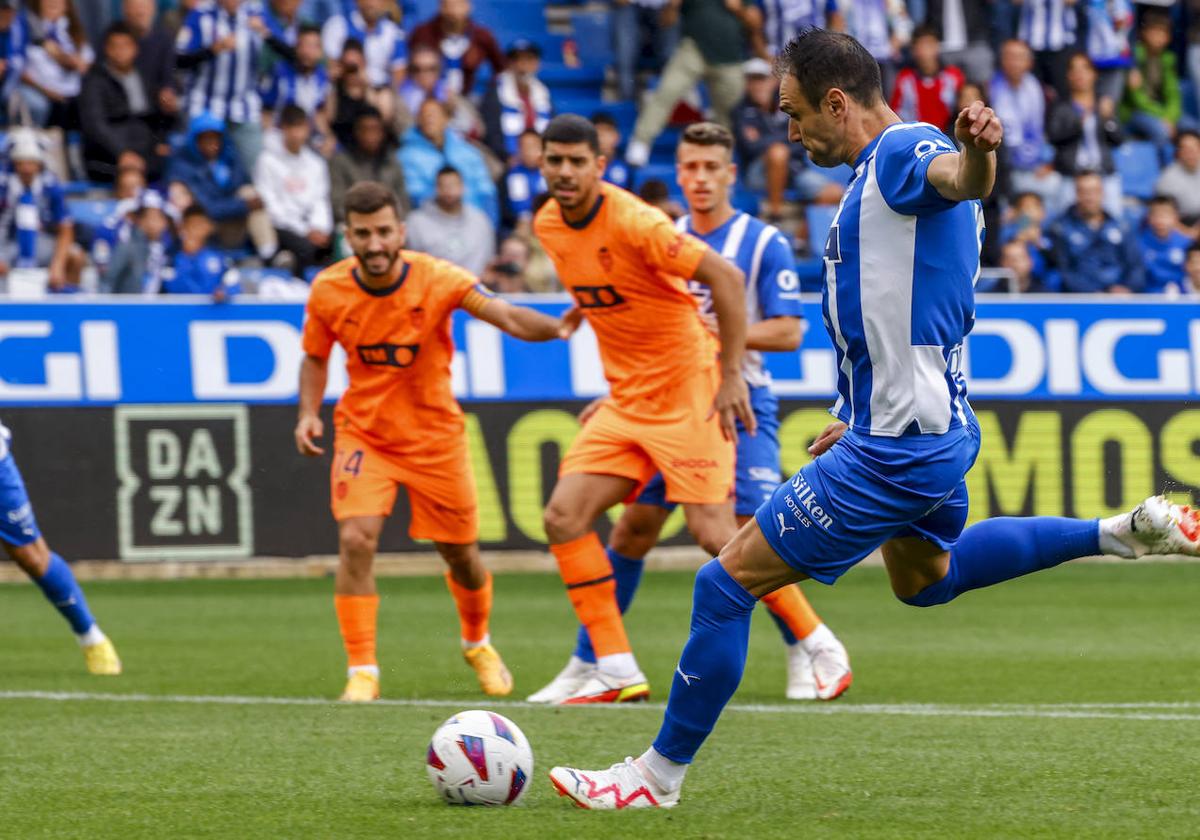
(17, 524)
(866, 490)
(757, 473)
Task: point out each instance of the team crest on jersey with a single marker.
(674, 248)
(606, 258)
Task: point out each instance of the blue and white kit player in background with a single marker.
(26, 547)
(900, 265)
(817, 664)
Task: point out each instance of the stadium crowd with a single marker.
(190, 146)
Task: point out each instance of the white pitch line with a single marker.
(1099, 711)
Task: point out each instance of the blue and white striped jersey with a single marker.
(1048, 24)
(226, 85)
(901, 264)
(772, 285)
(385, 46)
(783, 20)
(288, 86)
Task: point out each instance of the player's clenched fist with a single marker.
(978, 127)
(308, 429)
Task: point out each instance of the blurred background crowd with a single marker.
(203, 146)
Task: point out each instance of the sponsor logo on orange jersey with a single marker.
(597, 297)
(391, 355)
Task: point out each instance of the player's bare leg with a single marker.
(55, 579)
(470, 583)
(577, 500)
(357, 604)
(707, 675)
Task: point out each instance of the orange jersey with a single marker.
(398, 348)
(627, 268)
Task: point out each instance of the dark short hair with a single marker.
(1155, 17)
(308, 29)
(352, 45)
(926, 30)
(707, 134)
(653, 190)
(368, 112)
(1021, 196)
(367, 197)
(604, 118)
(194, 211)
(1163, 201)
(571, 128)
(119, 27)
(292, 114)
(1186, 132)
(1194, 248)
(448, 170)
(530, 132)
(820, 60)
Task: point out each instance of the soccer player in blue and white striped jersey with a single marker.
(900, 267)
(1050, 27)
(383, 41)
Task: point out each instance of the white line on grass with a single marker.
(1151, 711)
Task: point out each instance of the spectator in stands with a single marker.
(213, 175)
(220, 43)
(57, 54)
(1181, 179)
(293, 181)
(369, 156)
(424, 81)
(517, 100)
(656, 193)
(430, 145)
(927, 91)
(964, 27)
(1026, 226)
(783, 20)
(155, 55)
(1164, 247)
(127, 190)
(1049, 28)
(1109, 25)
(1153, 98)
(770, 162)
(523, 182)
(505, 274)
(303, 82)
(609, 133)
(12, 54)
(120, 120)
(464, 44)
(884, 28)
(200, 269)
(353, 94)
(712, 45)
(636, 27)
(382, 39)
(283, 18)
(139, 264)
(36, 229)
(1020, 102)
(1092, 250)
(1084, 131)
(1015, 258)
(447, 227)
(1191, 280)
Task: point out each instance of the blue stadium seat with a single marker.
(592, 36)
(820, 217)
(1137, 164)
(89, 213)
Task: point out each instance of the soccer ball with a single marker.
(479, 758)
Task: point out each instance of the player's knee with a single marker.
(939, 592)
(562, 524)
(632, 539)
(33, 558)
(358, 542)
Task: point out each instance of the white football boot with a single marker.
(830, 667)
(569, 680)
(1156, 526)
(600, 687)
(800, 682)
(621, 786)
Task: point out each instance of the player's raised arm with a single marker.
(971, 173)
(519, 321)
(728, 288)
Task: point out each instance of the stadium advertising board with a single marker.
(183, 352)
(1084, 408)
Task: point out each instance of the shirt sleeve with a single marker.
(662, 246)
(318, 338)
(58, 205)
(399, 52)
(902, 167)
(778, 283)
(463, 289)
(189, 38)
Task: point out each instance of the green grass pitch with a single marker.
(1066, 704)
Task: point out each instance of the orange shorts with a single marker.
(440, 483)
(696, 462)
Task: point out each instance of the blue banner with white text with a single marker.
(99, 352)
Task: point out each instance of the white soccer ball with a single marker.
(479, 758)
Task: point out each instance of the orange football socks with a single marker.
(356, 619)
(792, 607)
(588, 574)
(474, 609)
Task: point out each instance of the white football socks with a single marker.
(1113, 532)
(487, 639)
(93, 636)
(619, 665)
(820, 637)
(373, 670)
(664, 772)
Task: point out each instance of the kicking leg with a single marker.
(470, 583)
(708, 673)
(356, 602)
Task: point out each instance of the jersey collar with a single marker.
(384, 291)
(586, 220)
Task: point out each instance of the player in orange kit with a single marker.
(398, 422)
(674, 395)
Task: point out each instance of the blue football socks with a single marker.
(628, 574)
(61, 589)
(711, 664)
(1000, 549)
